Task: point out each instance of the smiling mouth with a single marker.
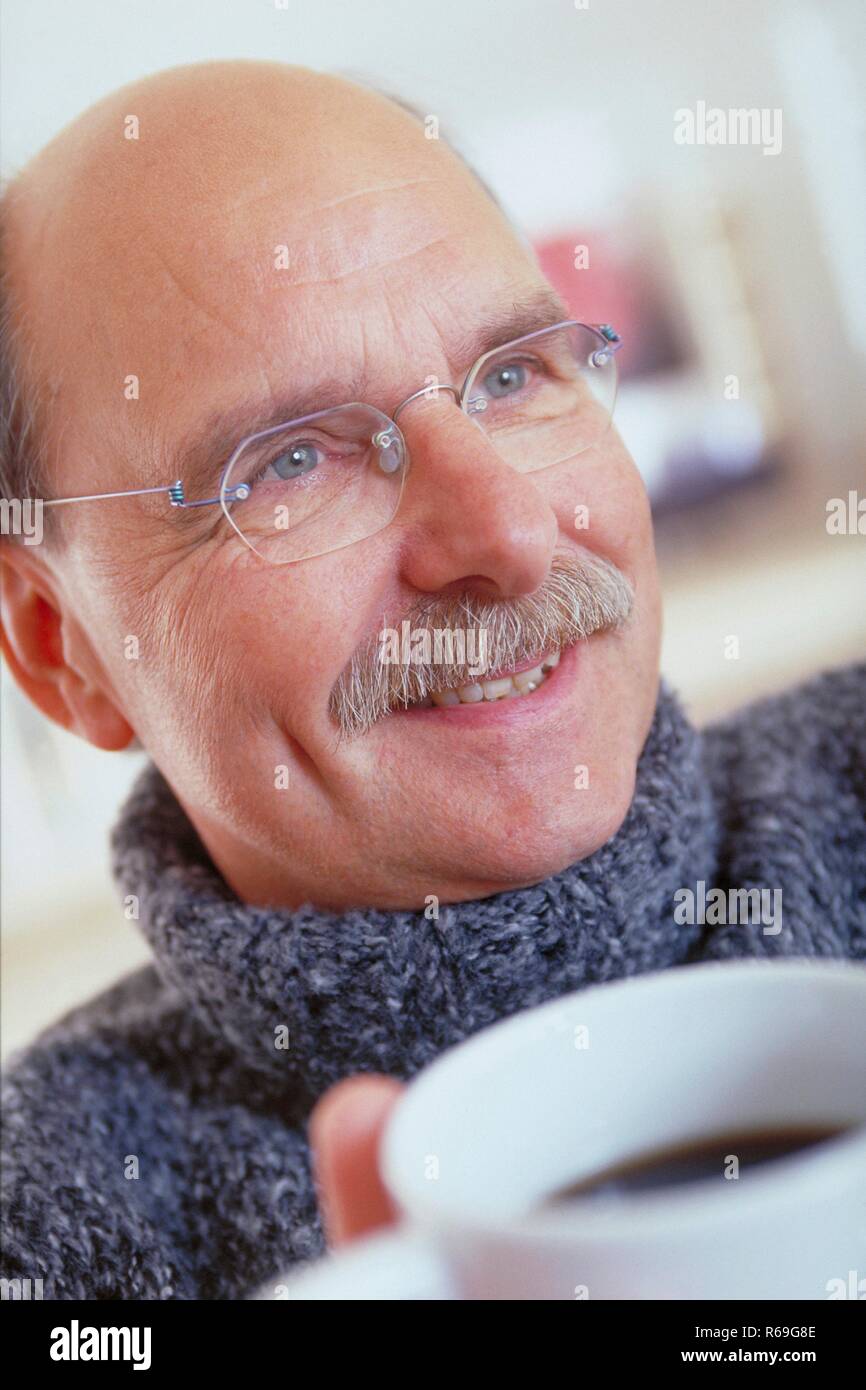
(489, 689)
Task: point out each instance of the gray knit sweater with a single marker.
(154, 1140)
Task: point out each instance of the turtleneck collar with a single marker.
(307, 996)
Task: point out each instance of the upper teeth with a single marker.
(498, 688)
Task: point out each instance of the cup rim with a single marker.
(669, 1211)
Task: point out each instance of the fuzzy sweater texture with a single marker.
(155, 1139)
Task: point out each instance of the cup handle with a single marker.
(398, 1265)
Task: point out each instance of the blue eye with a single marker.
(505, 380)
(301, 458)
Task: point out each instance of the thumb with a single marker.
(346, 1127)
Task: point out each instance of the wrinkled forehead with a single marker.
(360, 260)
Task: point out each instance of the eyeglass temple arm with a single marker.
(174, 490)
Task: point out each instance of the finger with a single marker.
(345, 1129)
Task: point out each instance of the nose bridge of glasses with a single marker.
(467, 410)
(429, 393)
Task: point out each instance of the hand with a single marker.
(345, 1129)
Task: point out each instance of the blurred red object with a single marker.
(602, 283)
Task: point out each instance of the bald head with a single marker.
(178, 217)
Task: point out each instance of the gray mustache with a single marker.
(582, 594)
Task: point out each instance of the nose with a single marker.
(473, 520)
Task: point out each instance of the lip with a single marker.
(504, 713)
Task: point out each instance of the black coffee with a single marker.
(696, 1162)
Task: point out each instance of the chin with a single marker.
(539, 842)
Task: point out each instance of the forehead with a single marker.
(405, 299)
(375, 266)
(367, 306)
(199, 456)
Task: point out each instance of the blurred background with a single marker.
(733, 271)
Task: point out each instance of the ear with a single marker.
(50, 655)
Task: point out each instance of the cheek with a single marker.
(601, 503)
(185, 658)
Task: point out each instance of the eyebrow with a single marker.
(199, 459)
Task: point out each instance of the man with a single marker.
(265, 289)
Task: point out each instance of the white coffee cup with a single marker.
(559, 1093)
